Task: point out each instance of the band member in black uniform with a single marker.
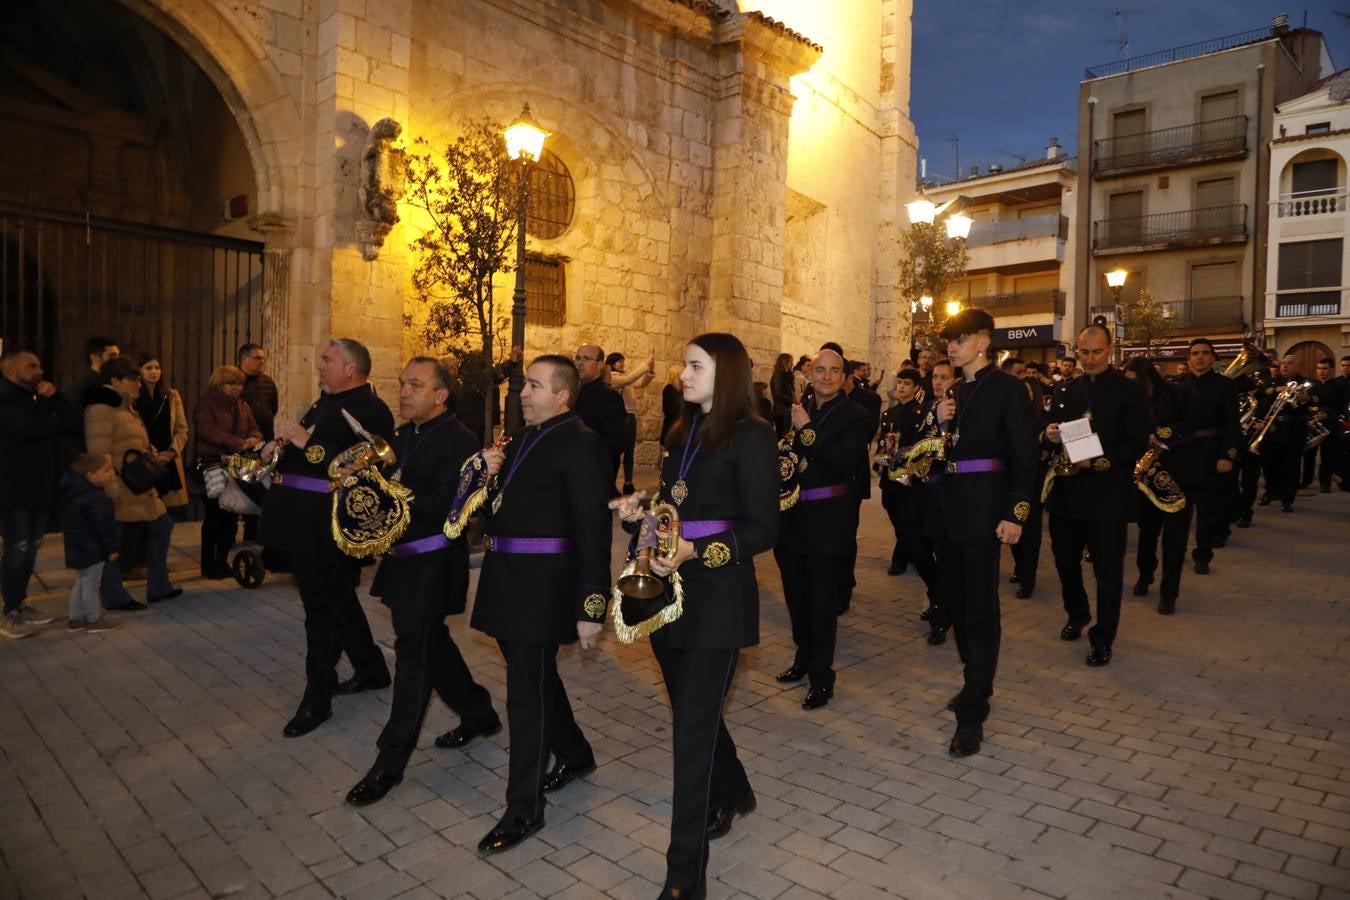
(818, 534)
(296, 520)
(1188, 463)
(1216, 442)
(1026, 553)
(1091, 507)
(977, 501)
(860, 393)
(721, 473)
(1282, 448)
(906, 502)
(1327, 398)
(424, 578)
(1257, 385)
(544, 582)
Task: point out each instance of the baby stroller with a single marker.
(239, 483)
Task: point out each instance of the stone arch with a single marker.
(1312, 154)
(239, 66)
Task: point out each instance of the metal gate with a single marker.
(189, 298)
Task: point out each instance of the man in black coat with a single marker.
(97, 351)
(817, 536)
(297, 520)
(545, 581)
(1328, 399)
(1215, 444)
(423, 579)
(1282, 448)
(1092, 507)
(978, 498)
(37, 426)
(859, 392)
(600, 406)
(260, 391)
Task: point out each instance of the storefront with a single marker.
(1029, 343)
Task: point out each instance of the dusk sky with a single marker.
(1004, 76)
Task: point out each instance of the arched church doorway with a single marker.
(125, 190)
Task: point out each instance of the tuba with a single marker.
(1155, 481)
(1248, 360)
(370, 512)
(639, 598)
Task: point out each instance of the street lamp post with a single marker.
(524, 144)
(1115, 279)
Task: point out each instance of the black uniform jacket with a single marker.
(1173, 410)
(429, 459)
(995, 422)
(560, 490)
(907, 422)
(1216, 407)
(1122, 422)
(297, 521)
(870, 401)
(832, 448)
(740, 484)
(601, 409)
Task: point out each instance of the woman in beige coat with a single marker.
(161, 409)
(112, 427)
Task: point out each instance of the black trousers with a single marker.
(707, 769)
(335, 624)
(426, 660)
(970, 589)
(1173, 528)
(1212, 498)
(1106, 541)
(629, 446)
(1322, 459)
(1281, 465)
(847, 579)
(1249, 477)
(811, 586)
(541, 722)
(912, 546)
(219, 527)
(1026, 553)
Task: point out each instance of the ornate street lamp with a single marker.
(524, 144)
(953, 307)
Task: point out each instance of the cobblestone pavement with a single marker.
(1211, 758)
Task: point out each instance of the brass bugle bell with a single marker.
(372, 452)
(659, 538)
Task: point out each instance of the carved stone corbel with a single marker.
(383, 174)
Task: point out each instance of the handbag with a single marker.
(141, 471)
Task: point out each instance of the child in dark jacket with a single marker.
(90, 531)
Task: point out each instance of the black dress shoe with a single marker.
(373, 787)
(305, 721)
(791, 675)
(670, 893)
(1167, 605)
(1014, 578)
(1099, 656)
(461, 736)
(719, 817)
(358, 683)
(1202, 567)
(1025, 591)
(957, 699)
(562, 774)
(1141, 587)
(176, 592)
(1244, 522)
(511, 830)
(1286, 507)
(1264, 501)
(1073, 630)
(817, 697)
(966, 741)
(926, 614)
(937, 634)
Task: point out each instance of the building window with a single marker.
(1309, 264)
(1318, 128)
(545, 290)
(1219, 106)
(1314, 177)
(552, 198)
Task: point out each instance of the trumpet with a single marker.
(1294, 393)
(659, 537)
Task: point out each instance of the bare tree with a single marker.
(470, 193)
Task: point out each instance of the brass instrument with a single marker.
(916, 460)
(370, 512)
(1317, 433)
(1246, 412)
(639, 596)
(1156, 482)
(1288, 394)
(1248, 360)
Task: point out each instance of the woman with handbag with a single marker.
(721, 473)
(224, 424)
(113, 427)
(161, 409)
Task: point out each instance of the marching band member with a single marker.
(818, 534)
(1026, 553)
(1217, 441)
(1091, 507)
(977, 501)
(544, 582)
(296, 520)
(720, 472)
(423, 579)
(1282, 449)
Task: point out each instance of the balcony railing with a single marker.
(1176, 54)
(1205, 311)
(1311, 203)
(1035, 301)
(1199, 140)
(1052, 225)
(1213, 224)
(1310, 303)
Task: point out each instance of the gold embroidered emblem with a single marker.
(784, 468)
(808, 437)
(1164, 432)
(1101, 464)
(315, 454)
(1232, 453)
(594, 606)
(716, 554)
(1022, 510)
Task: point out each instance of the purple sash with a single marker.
(527, 544)
(823, 493)
(420, 546)
(304, 483)
(692, 530)
(967, 467)
(1205, 433)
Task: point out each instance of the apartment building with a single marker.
(1306, 309)
(1021, 249)
(1172, 188)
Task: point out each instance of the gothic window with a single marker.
(552, 198)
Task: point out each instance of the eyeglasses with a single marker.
(581, 357)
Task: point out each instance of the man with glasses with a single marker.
(260, 391)
(600, 406)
